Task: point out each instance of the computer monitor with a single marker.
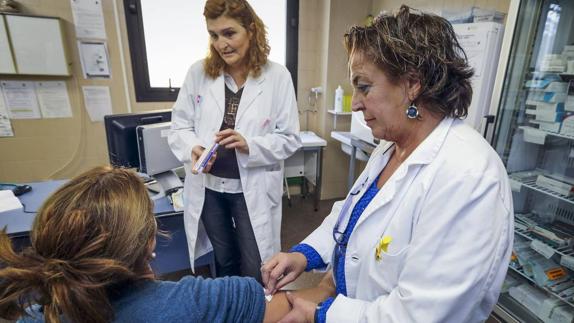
(121, 135)
(157, 159)
(155, 156)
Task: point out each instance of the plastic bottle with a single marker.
(339, 99)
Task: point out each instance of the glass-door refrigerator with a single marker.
(534, 136)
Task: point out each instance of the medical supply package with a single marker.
(204, 159)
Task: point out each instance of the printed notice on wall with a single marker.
(53, 99)
(98, 101)
(5, 125)
(94, 58)
(89, 19)
(21, 101)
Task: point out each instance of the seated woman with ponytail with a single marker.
(91, 245)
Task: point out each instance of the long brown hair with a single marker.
(418, 46)
(242, 12)
(92, 234)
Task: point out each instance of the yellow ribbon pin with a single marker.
(383, 246)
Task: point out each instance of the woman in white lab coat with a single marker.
(425, 234)
(246, 103)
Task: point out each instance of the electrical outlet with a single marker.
(317, 90)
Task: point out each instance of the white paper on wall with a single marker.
(5, 124)
(94, 58)
(21, 101)
(53, 99)
(89, 19)
(98, 101)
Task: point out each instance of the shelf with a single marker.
(511, 311)
(521, 273)
(531, 184)
(546, 133)
(562, 251)
(337, 113)
(563, 75)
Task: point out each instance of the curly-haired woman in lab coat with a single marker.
(246, 103)
(425, 234)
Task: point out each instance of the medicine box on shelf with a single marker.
(554, 185)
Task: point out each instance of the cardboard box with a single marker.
(546, 115)
(538, 96)
(555, 185)
(549, 126)
(567, 127)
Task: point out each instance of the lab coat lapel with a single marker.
(387, 193)
(217, 90)
(251, 90)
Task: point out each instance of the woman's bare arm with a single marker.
(279, 306)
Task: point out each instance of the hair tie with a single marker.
(55, 268)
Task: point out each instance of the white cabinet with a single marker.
(6, 59)
(32, 45)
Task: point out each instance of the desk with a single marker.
(172, 254)
(355, 143)
(307, 162)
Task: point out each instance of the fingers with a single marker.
(228, 141)
(224, 134)
(266, 269)
(295, 315)
(281, 270)
(276, 274)
(290, 298)
(210, 163)
(286, 280)
(196, 151)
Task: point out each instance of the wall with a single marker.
(60, 148)
(323, 62)
(437, 6)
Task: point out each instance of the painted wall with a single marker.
(437, 6)
(323, 62)
(60, 148)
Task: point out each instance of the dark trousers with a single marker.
(229, 229)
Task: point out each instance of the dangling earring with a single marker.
(412, 111)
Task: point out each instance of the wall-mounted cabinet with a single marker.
(32, 45)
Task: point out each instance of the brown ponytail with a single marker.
(91, 235)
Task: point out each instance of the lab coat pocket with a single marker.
(387, 268)
(274, 186)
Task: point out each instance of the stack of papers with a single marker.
(8, 201)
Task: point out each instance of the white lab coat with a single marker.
(448, 209)
(267, 118)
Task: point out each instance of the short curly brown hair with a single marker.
(241, 11)
(418, 46)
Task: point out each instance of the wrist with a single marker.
(301, 259)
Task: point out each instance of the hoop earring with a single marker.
(412, 112)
